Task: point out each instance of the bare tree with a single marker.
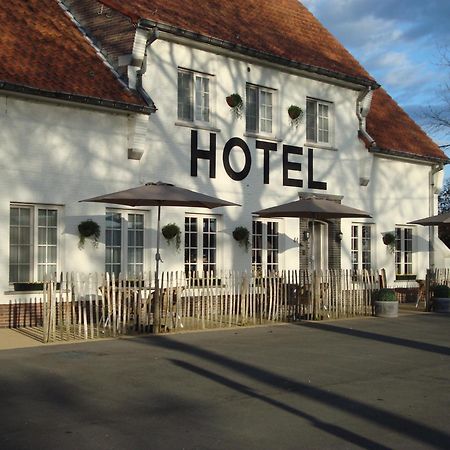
(438, 117)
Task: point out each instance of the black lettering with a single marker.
(289, 165)
(236, 142)
(267, 147)
(311, 183)
(197, 154)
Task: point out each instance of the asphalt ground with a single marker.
(361, 383)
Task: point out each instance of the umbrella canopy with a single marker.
(440, 219)
(312, 208)
(160, 194)
(315, 209)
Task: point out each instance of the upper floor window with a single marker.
(259, 109)
(33, 242)
(193, 96)
(124, 243)
(318, 119)
(403, 251)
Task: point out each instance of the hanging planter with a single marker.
(389, 241)
(88, 229)
(295, 115)
(242, 236)
(236, 104)
(172, 232)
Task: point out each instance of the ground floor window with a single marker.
(361, 247)
(124, 241)
(33, 242)
(200, 244)
(265, 245)
(403, 251)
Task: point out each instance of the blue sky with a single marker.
(399, 42)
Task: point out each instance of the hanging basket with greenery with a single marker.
(236, 104)
(88, 229)
(295, 114)
(242, 236)
(389, 241)
(172, 232)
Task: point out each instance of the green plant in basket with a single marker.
(172, 232)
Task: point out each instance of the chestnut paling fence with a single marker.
(435, 277)
(88, 306)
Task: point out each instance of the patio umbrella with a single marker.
(439, 219)
(312, 208)
(160, 194)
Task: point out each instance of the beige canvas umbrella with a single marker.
(439, 219)
(160, 194)
(313, 208)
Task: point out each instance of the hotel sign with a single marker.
(236, 144)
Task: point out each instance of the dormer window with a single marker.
(193, 96)
(259, 110)
(318, 122)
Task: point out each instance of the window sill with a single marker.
(321, 146)
(262, 136)
(197, 126)
(405, 277)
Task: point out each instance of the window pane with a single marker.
(185, 96)
(323, 123)
(266, 111)
(251, 111)
(202, 99)
(113, 242)
(311, 120)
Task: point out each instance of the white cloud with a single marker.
(397, 41)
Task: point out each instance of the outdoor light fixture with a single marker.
(339, 236)
(306, 235)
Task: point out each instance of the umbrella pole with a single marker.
(313, 250)
(157, 299)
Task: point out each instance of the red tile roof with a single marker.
(43, 50)
(282, 28)
(394, 131)
(286, 29)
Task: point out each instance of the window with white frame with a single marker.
(124, 242)
(318, 121)
(33, 242)
(361, 247)
(259, 109)
(403, 251)
(194, 96)
(200, 244)
(265, 245)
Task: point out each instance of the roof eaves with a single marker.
(86, 100)
(147, 23)
(407, 155)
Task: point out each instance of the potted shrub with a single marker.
(295, 114)
(389, 241)
(88, 229)
(236, 104)
(441, 298)
(242, 236)
(385, 302)
(172, 232)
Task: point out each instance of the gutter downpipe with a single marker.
(431, 210)
(361, 111)
(152, 36)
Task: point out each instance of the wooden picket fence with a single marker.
(434, 277)
(78, 306)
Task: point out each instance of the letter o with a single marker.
(236, 142)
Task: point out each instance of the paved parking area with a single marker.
(362, 383)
